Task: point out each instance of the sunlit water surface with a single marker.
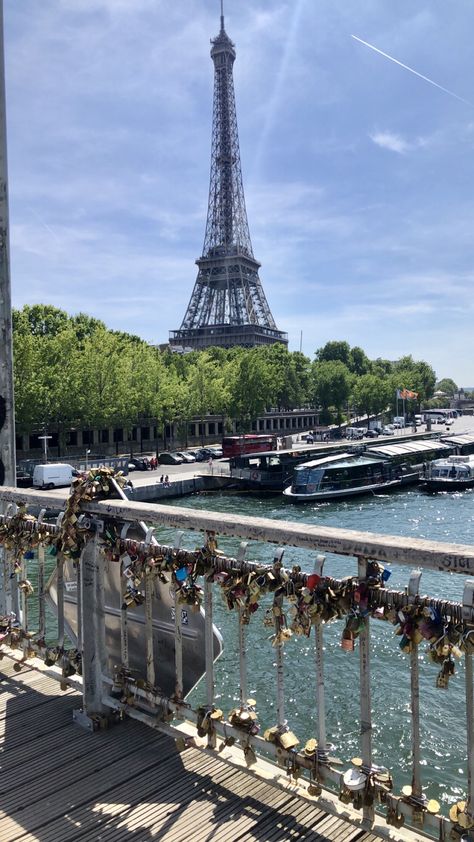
(443, 517)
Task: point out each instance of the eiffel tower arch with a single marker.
(228, 305)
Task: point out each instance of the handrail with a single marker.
(102, 538)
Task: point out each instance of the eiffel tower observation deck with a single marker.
(228, 305)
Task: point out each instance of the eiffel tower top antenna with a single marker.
(222, 15)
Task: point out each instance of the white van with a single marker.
(354, 433)
(53, 475)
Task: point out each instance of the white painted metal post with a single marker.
(242, 658)
(319, 652)
(413, 588)
(178, 633)
(123, 619)
(3, 582)
(60, 590)
(365, 691)
(41, 600)
(24, 602)
(467, 606)
(94, 659)
(470, 733)
(209, 644)
(280, 681)
(150, 657)
(178, 646)
(79, 607)
(242, 648)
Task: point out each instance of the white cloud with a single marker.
(391, 141)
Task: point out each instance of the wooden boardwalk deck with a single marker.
(60, 783)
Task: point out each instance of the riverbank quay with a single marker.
(365, 781)
(149, 489)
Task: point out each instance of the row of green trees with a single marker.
(73, 371)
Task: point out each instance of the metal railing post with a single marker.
(242, 648)
(413, 588)
(94, 656)
(280, 680)
(209, 642)
(467, 605)
(41, 594)
(149, 592)
(365, 691)
(178, 634)
(319, 653)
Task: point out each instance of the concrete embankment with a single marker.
(156, 491)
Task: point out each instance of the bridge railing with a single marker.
(94, 535)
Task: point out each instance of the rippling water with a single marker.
(443, 517)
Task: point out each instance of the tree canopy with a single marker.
(73, 371)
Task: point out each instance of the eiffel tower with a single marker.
(228, 305)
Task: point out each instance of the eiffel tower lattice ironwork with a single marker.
(228, 305)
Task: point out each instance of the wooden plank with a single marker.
(64, 765)
(178, 789)
(233, 798)
(98, 781)
(20, 730)
(130, 780)
(117, 802)
(35, 696)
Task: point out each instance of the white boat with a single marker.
(346, 475)
(453, 473)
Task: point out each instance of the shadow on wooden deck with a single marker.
(60, 783)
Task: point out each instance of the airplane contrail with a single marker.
(405, 66)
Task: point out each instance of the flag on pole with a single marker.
(406, 393)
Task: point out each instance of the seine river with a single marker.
(409, 514)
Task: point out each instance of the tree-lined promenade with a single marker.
(73, 370)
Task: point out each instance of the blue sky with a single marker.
(358, 175)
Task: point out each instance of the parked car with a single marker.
(371, 434)
(169, 459)
(215, 452)
(388, 430)
(23, 479)
(139, 463)
(205, 453)
(186, 456)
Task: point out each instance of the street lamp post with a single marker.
(87, 460)
(45, 439)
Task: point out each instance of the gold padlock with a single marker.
(288, 740)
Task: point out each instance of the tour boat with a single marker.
(453, 473)
(346, 475)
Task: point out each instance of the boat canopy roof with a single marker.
(406, 448)
(463, 438)
(341, 460)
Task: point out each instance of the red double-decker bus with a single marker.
(249, 443)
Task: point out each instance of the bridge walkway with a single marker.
(62, 783)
